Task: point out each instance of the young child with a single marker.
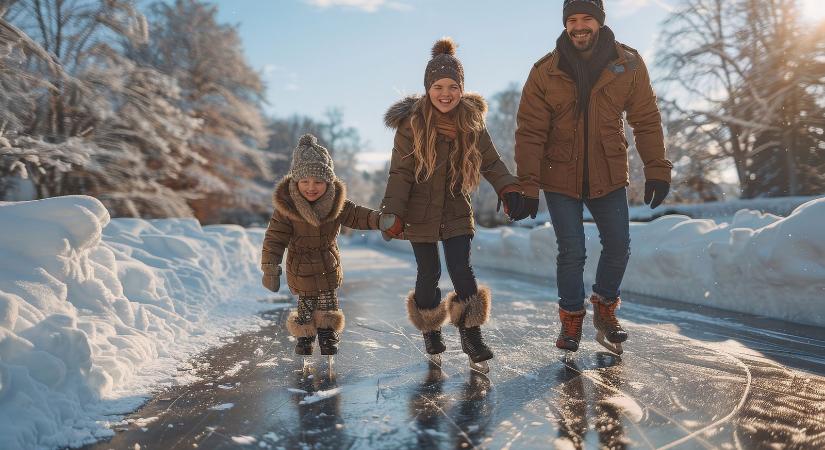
(310, 207)
(441, 149)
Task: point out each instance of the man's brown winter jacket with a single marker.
(550, 141)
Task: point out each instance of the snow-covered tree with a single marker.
(82, 119)
(745, 77)
(219, 88)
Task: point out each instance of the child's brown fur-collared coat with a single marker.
(430, 213)
(313, 262)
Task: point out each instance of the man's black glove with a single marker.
(514, 205)
(655, 192)
(530, 208)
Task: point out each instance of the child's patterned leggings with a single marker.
(325, 301)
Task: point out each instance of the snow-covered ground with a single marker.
(758, 263)
(96, 313)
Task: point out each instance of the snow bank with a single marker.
(94, 312)
(723, 211)
(758, 263)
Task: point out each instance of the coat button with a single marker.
(599, 192)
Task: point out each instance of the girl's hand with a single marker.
(391, 226)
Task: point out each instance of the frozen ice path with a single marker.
(686, 380)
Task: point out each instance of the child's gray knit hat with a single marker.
(310, 159)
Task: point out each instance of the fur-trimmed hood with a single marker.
(284, 203)
(401, 110)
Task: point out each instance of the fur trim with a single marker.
(596, 298)
(476, 309)
(564, 312)
(425, 320)
(285, 205)
(299, 329)
(329, 319)
(445, 45)
(312, 212)
(401, 110)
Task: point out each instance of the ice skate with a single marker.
(571, 330)
(468, 315)
(434, 345)
(429, 322)
(477, 351)
(303, 329)
(608, 331)
(303, 346)
(328, 343)
(331, 366)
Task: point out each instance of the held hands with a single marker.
(272, 276)
(516, 204)
(391, 226)
(655, 192)
(531, 208)
(513, 204)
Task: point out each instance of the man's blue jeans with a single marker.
(611, 216)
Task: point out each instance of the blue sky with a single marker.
(362, 55)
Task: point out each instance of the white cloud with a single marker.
(363, 5)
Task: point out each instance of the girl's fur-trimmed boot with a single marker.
(429, 322)
(608, 331)
(468, 315)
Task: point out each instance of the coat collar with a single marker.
(401, 110)
(607, 74)
(285, 205)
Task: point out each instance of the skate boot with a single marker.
(428, 321)
(328, 341)
(468, 315)
(571, 329)
(302, 327)
(304, 346)
(608, 331)
(473, 345)
(330, 324)
(433, 343)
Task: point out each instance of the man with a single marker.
(570, 143)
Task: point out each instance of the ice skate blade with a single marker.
(612, 347)
(480, 367)
(306, 367)
(331, 366)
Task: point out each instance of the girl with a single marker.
(310, 208)
(441, 149)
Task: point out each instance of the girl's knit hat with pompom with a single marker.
(444, 64)
(310, 159)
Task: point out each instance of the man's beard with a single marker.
(589, 44)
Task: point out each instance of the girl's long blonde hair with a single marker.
(465, 163)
